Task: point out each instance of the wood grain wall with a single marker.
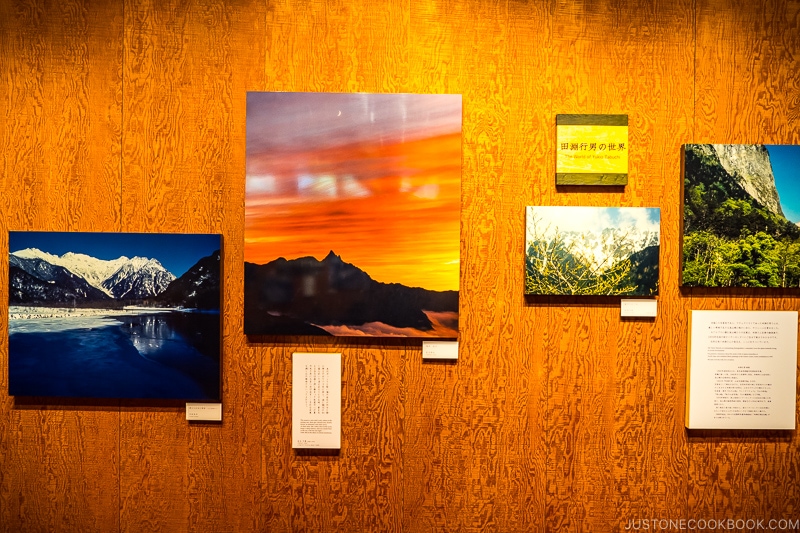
(121, 115)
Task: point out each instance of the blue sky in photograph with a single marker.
(176, 252)
(785, 159)
(579, 219)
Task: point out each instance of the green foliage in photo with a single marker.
(560, 266)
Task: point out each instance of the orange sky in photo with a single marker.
(392, 209)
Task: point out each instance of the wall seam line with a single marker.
(121, 206)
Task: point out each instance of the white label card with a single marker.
(440, 350)
(317, 400)
(638, 308)
(742, 370)
(211, 412)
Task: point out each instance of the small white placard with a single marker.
(638, 308)
(440, 350)
(317, 400)
(742, 370)
(204, 411)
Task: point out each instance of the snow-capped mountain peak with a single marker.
(139, 262)
(35, 253)
(603, 249)
(92, 269)
(137, 277)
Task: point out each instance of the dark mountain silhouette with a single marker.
(644, 271)
(34, 281)
(198, 288)
(286, 297)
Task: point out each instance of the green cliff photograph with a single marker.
(741, 208)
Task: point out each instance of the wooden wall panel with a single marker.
(474, 447)
(187, 69)
(558, 416)
(748, 91)
(747, 85)
(615, 438)
(59, 170)
(358, 487)
(336, 46)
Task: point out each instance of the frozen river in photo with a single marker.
(97, 353)
(54, 319)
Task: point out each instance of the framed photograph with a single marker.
(592, 149)
(114, 315)
(600, 251)
(741, 209)
(352, 214)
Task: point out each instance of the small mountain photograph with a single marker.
(352, 214)
(741, 209)
(592, 251)
(114, 315)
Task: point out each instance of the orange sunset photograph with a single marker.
(352, 214)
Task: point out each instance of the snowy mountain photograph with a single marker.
(114, 315)
(600, 251)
